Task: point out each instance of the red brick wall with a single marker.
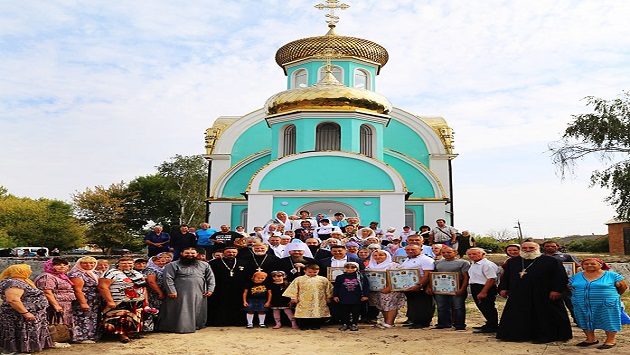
(615, 237)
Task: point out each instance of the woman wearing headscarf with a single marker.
(58, 289)
(86, 307)
(123, 291)
(23, 324)
(153, 276)
(385, 300)
(597, 302)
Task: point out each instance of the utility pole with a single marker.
(520, 232)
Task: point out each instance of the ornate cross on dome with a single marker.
(331, 5)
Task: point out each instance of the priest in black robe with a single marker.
(534, 310)
(296, 255)
(225, 306)
(258, 259)
(315, 247)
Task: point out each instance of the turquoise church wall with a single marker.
(400, 138)
(238, 182)
(414, 179)
(255, 139)
(327, 173)
(367, 213)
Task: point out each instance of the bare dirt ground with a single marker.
(329, 340)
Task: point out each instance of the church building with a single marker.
(330, 143)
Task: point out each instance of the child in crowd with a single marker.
(256, 299)
(310, 293)
(350, 290)
(278, 301)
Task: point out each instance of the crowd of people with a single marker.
(306, 273)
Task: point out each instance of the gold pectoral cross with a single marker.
(522, 273)
(232, 273)
(259, 269)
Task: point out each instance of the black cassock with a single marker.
(529, 314)
(225, 306)
(254, 262)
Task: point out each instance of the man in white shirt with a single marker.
(274, 244)
(483, 278)
(420, 305)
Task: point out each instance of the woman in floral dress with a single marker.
(23, 325)
(86, 308)
(58, 289)
(153, 275)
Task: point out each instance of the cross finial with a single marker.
(331, 5)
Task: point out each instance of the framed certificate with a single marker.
(333, 272)
(444, 283)
(377, 279)
(402, 279)
(400, 258)
(569, 267)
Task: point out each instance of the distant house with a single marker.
(619, 236)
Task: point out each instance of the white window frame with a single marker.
(368, 78)
(322, 72)
(294, 76)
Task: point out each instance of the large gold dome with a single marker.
(346, 46)
(328, 94)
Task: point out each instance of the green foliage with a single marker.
(489, 243)
(108, 214)
(156, 201)
(589, 245)
(42, 222)
(187, 177)
(605, 132)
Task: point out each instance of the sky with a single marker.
(95, 92)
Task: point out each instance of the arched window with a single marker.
(366, 140)
(328, 136)
(337, 72)
(410, 218)
(362, 79)
(288, 140)
(244, 214)
(300, 79)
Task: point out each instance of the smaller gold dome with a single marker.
(328, 94)
(347, 46)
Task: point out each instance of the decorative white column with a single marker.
(259, 210)
(392, 211)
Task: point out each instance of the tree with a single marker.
(42, 222)
(605, 134)
(156, 201)
(108, 214)
(187, 176)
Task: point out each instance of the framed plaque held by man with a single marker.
(445, 283)
(376, 279)
(402, 279)
(569, 267)
(333, 272)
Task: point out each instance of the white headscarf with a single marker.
(297, 245)
(387, 264)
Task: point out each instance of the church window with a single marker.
(336, 72)
(244, 214)
(366, 140)
(410, 218)
(328, 136)
(300, 79)
(361, 79)
(288, 140)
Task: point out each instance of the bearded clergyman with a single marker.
(533, 284)
(258, 258)
(187, 283)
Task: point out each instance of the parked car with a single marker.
(32, 251)
(78, 252)
(120, 251)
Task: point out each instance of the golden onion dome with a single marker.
(328, 94)
(346, 46)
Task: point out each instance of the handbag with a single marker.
(59, 332)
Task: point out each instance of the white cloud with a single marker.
(96, 92)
